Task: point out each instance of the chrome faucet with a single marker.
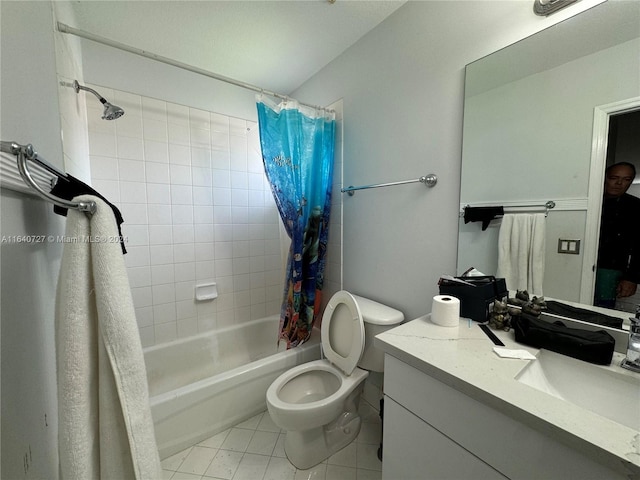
(632, 361)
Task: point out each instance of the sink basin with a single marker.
(611, 393)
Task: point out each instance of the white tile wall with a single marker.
(197, 208)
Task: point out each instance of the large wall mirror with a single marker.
(536, 121)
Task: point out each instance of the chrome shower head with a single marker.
(111, 112)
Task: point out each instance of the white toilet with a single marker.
(317, 402)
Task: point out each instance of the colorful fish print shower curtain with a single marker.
(297, 150)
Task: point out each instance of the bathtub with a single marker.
(204, 384)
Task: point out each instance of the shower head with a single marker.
(111, 112)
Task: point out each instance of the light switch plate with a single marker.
(569, 246)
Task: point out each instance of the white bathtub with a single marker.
(204, 384)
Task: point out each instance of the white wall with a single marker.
(402, 86)
(73, 111)
(35, 109)
(525, 130)
(29, 272)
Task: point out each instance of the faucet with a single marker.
(632, 361)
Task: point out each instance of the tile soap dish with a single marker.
(206, 291)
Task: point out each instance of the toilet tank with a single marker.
(377, 319)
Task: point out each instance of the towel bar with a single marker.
(26, 152)
(429, 180)
(547, 206)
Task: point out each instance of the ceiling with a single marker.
(275, 45)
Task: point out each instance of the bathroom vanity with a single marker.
(455, 409)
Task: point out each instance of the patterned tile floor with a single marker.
(254, 450)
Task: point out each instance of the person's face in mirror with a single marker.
(617, 181)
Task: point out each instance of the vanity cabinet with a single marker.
(434, 431)
(413, 449)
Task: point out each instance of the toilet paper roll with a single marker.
(445, 311)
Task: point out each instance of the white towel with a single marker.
(521, 252)
(105, 428)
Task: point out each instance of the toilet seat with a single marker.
(301, 416)
(342, 332)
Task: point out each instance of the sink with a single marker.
(609, 392)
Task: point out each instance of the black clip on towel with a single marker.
(482, 214)
(71, 187)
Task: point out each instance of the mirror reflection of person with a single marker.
(618, 266)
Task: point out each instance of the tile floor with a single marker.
(254, 450)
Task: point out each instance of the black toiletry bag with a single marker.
(590, 346)
(475, 299)
(577, 313)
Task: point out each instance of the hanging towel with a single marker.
(482, 214)
(69, 187)
(105, 430)
(521, 252)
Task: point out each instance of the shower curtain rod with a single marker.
(64, 28)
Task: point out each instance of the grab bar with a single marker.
(27, 152)
(429, 180)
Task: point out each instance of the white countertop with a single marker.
(463, 358)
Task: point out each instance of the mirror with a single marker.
(531, 113)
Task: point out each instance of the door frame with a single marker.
(600, 139)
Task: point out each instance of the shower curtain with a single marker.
(297, 150)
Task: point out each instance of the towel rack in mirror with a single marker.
(546, 206)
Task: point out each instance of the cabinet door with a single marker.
(415, 450)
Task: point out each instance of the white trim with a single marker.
(601, 116)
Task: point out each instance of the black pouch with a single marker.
(589, 346)
(475, 299)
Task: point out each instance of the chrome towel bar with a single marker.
(429, 180)
(27, 152)
(547, 206)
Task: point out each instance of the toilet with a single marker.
(317, 402)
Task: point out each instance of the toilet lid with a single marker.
(343, 332)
